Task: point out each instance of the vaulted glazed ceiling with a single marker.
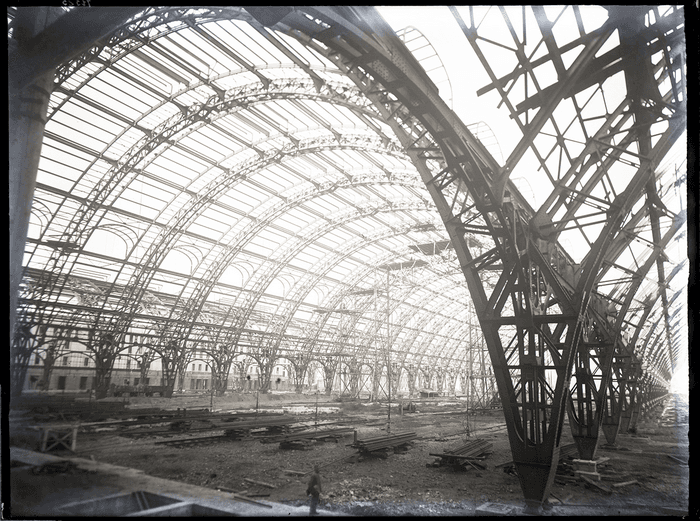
(209, 179)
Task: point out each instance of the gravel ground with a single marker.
(401, 484)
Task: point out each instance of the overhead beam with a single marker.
(66, 38)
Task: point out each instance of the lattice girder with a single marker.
(78, 231)
(303, 286)
(365, 349)
(464, 165)
(535, 297)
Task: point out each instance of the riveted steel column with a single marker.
(28, 104)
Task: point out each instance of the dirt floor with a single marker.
(654, 459)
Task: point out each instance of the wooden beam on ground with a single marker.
(597, 485)
(243, 498)
(625, 483)
(261, 483)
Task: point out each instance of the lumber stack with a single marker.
(75, 410)
(159, 416)
(302, 440)
(232, 427)
(273, 425)
(381, 445)
(466, 455)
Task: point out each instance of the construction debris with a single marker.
(465, 456)
(596, 484)
(296, 445)
(261, 483)
(493, 509)
(65, 408)
(625, 483)
(594, 476)
(233, 427)
(271, 425)
(200, 440)
(242, 496)
(588, 465)
(303, 440)
(380, 446)
(566, 452)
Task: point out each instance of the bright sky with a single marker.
(466, 75)
(465, 72)
(439, 26)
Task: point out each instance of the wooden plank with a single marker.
(475, 465)
(457, 456)
(261, 483)
(599, 486)
(243, 498)
(625, 483)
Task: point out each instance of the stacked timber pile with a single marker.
(204, 421)
(238, 431)
(273, 425)
(151, 416)
(381, 445)
(468, 455)
(303, 440)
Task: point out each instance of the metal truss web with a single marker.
(300, 186)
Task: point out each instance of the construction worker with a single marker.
(313, 489)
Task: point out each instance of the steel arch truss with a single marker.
(538, 316)
(554, 278)
(187, 322)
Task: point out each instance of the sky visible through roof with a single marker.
(467, 75)
(94, 120)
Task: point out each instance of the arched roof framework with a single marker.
(158, 22)
(594, 137)
(643, 75)
(434, 302)
(181, 234)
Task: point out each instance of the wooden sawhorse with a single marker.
(52, 437)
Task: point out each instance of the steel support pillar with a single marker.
(531, 304)
(28, 104)
(628, 398)
(354, 380)
(411, 380)
(613, 401)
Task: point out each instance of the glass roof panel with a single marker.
(270, 186)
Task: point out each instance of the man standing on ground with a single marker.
(314, 490)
